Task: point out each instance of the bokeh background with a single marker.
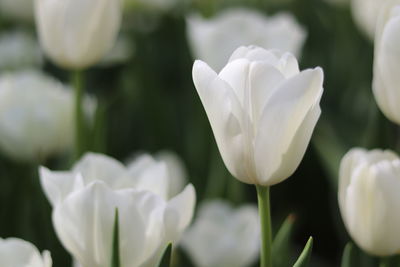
(148, 103)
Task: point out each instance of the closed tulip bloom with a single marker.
(36, 116)
(213, 40)
(369, 200)
(76, 34)
(84, 202)
(262, 111)
(223, 236)
(386, 76)
(16, 252)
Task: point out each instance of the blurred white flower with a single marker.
(77, 33)
(176, 170)
(262, 110)
(17, 9)
(386, 76)
(366, 13)
(120, 53)
(16, 252)
(36, 116)
(222, 236)
(84, 201)
(369, 201)
(19, 49)
(213, 40)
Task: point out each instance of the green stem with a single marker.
(265, 219)
(77, 80)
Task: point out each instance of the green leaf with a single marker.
(350, 256)
(304, 259)
(115, 260)
(281, 243)
(165, 260)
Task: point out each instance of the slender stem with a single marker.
(77, 80)
(265, 219)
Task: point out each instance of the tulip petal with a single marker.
(99, 167)
(225, 115)
(56, 185)
(282, 118)
(149, 175)
(179, 212)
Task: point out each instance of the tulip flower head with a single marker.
(369, 199)
(76, 34)
(16, 252)
(222, 236)
(85, 199)
(262, 111)
(214, 39)
(36, 116)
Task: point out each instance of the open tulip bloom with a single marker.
(85, 200)
(262, 111)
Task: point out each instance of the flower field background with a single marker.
(146, 102)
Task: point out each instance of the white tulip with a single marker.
(76, 34)
(85, 198)
(222, 236)
(386, 76)
(19, 49)
(17, 9)
(16, 252)
(36, 116)
(213, 40)
(369, 200)
(366, 13)
(262, 110)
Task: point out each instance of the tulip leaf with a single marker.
(281, 243)
(165, 260)
(115, 260)
(304, 259)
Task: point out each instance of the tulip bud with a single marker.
(222, 236)
(16, 252)
(262, 110)
(213, 40)
(76, 34)
(369, 200)
(36, 116)
(84, 202)
(387, 63)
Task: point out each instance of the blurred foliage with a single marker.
(150, 103)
